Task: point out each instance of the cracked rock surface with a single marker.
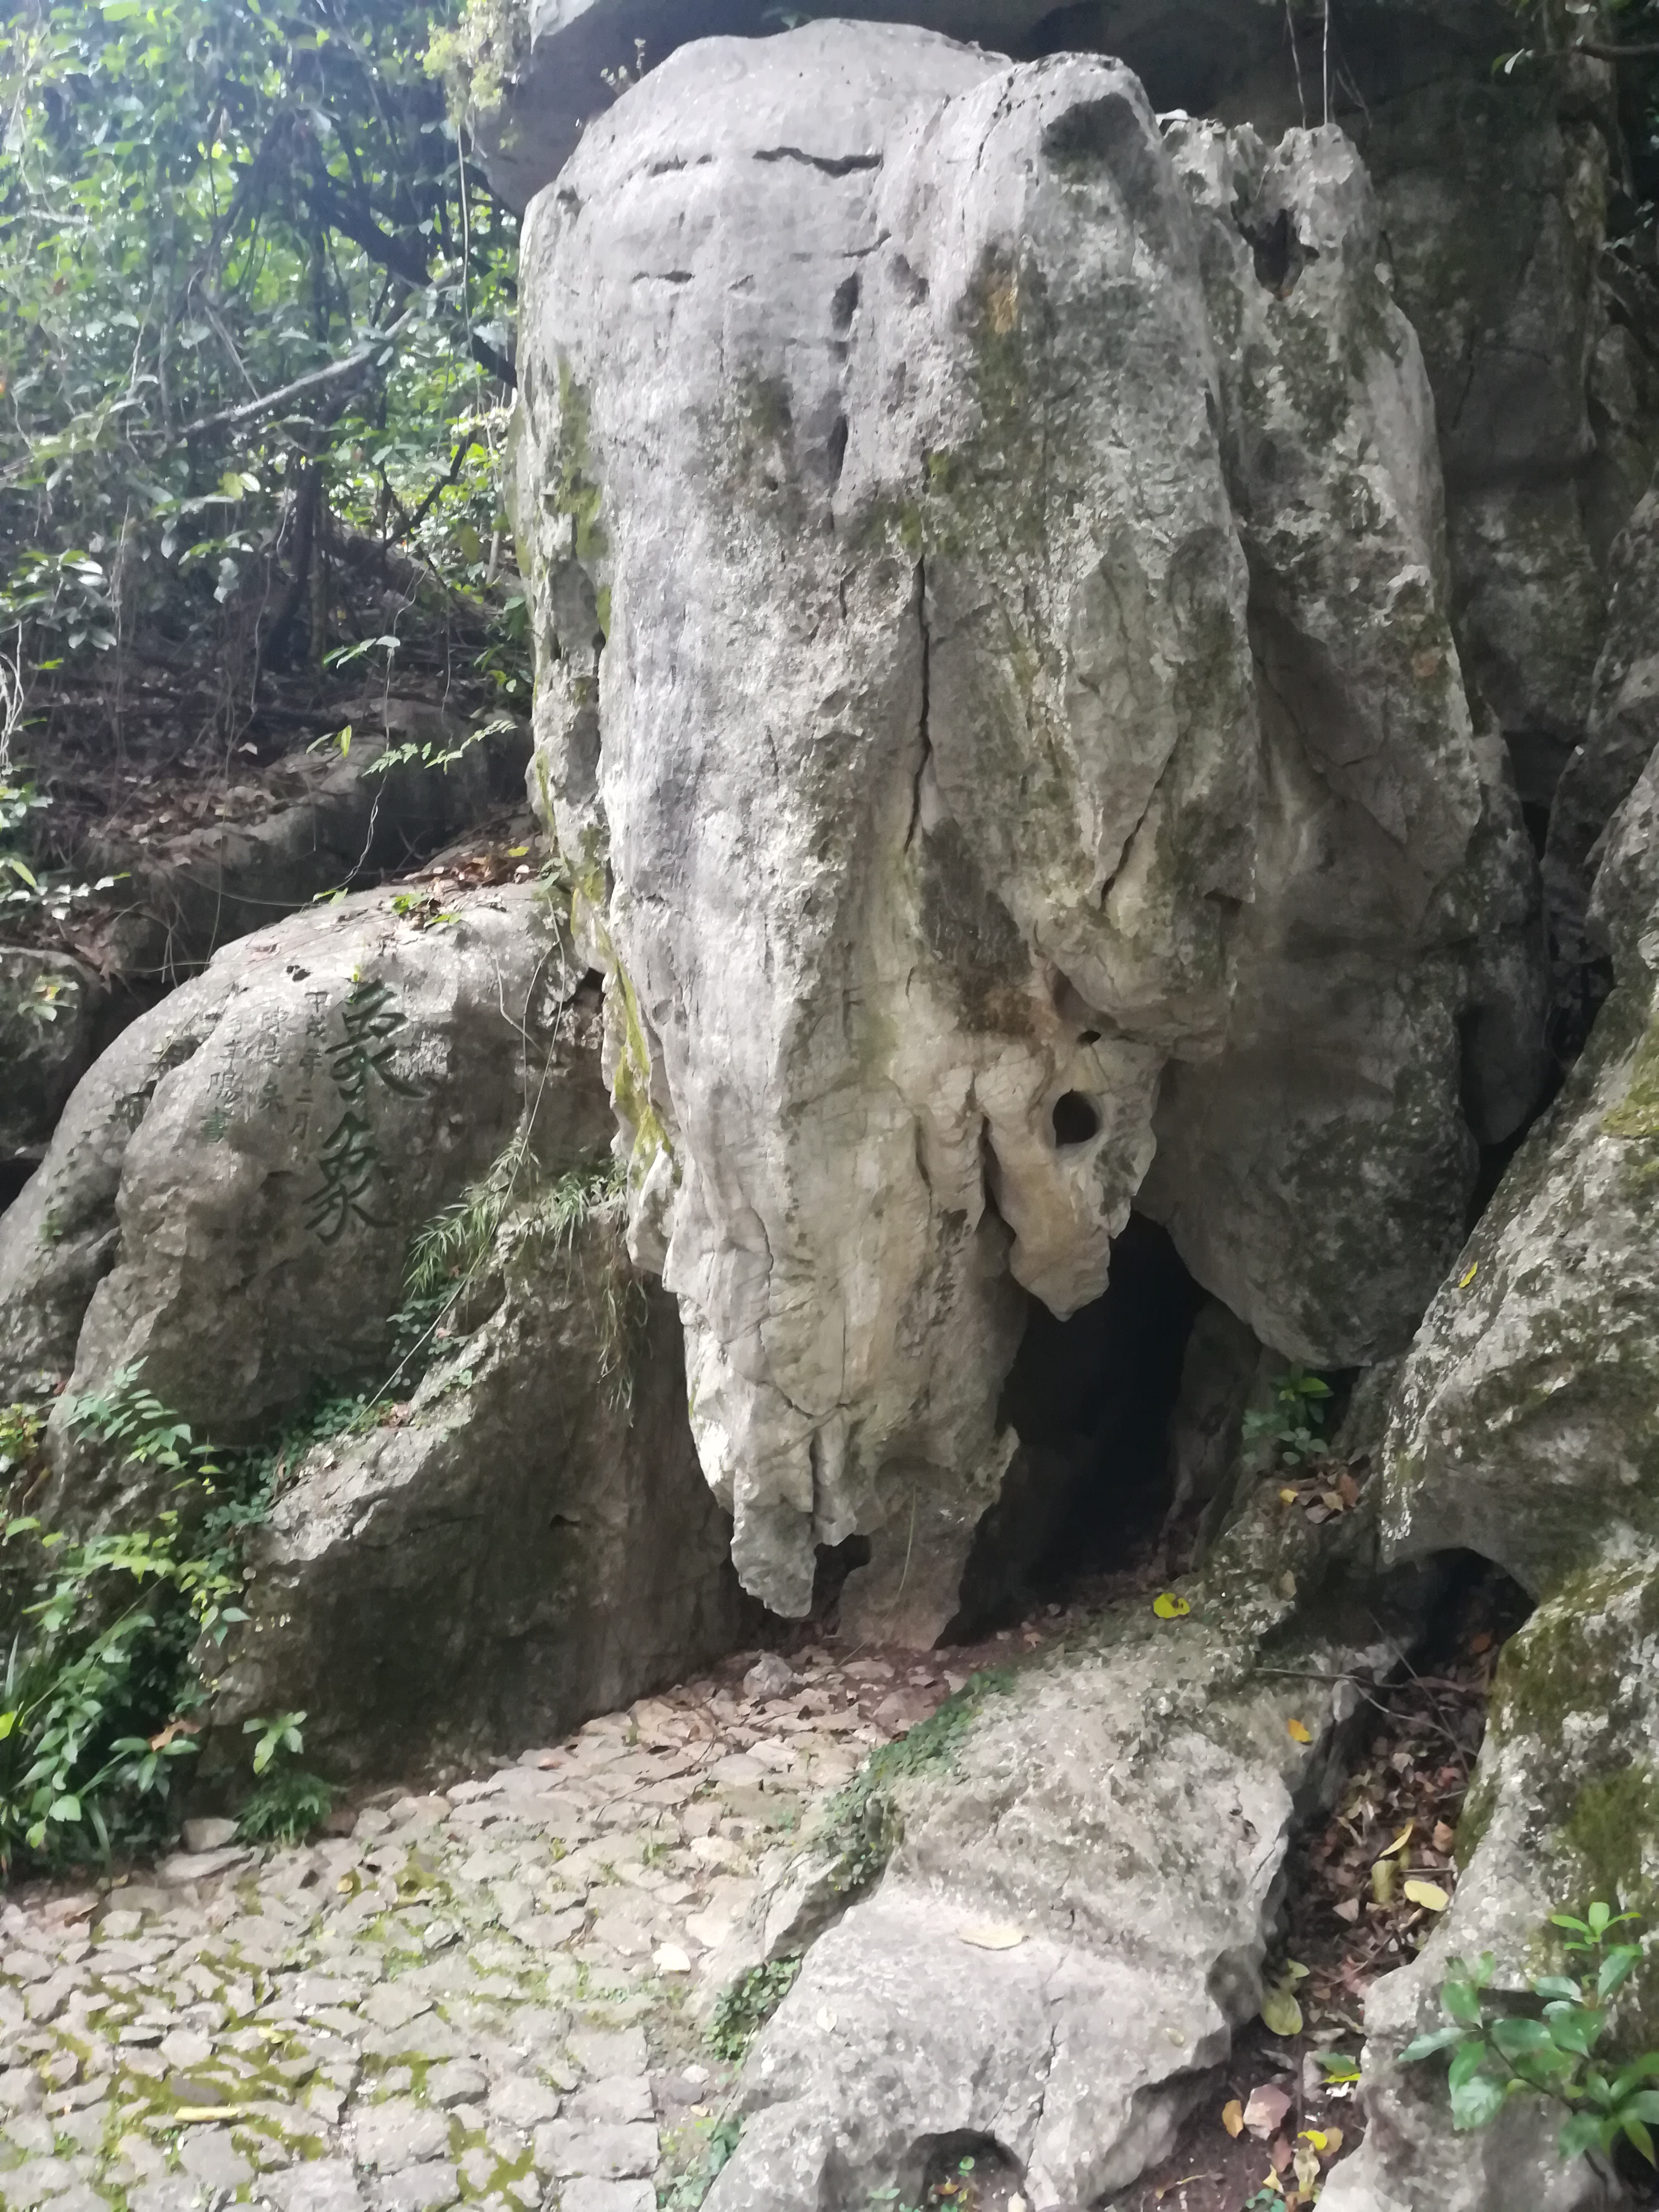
(948, 531)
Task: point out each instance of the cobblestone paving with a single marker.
(484, 1996)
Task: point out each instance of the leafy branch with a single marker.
(1497, 2056)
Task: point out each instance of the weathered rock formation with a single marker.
(1492, 193)
(1526, 1428)
(226, 1210)
(1000, 708)
(1075, 1918)
(229, 1197)
(526, 1542)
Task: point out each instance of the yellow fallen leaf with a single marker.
(1305, 2166)
(1428, 1894)
(1468, 1274)
(1299, 1731)
(1385, 1876)
(1168, 1607)
(993, 1935)
(1287, 1498)
(1313, 2136)
(1400, 1841)
(196, 2116)
(1232, 2117)
(1333, 2140)
(1281, 2013)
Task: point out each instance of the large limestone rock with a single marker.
(1494, 191)
(229, 1197)
(1526, 1428)
(1075, 1918)
(227, 1209)
(1622, 731)
(948, 530)
(526, 1543)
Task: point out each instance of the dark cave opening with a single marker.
(13, 1177)
(1090, 1399)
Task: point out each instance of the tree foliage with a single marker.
(254, 345)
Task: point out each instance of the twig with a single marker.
(1647, 52)
(1296, 62)
(351, 364)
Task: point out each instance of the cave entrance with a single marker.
(1091, 1401)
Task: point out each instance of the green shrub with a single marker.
(1497, 2056)
(101, 1692)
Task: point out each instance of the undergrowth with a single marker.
(514, 1216)
(744, 2006)
(102, 1696)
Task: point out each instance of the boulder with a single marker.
(526, 1543)
(229, 1212)
(1087, 1867)
(973, 774)
(1525, 1427)
(49, 1004)
(1493, 189)
(228, 1201)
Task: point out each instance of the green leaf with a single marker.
(1471, 2057)
(1638, 2135)
(1570, 2027)
(1462, 2000)
(1639, 2070)
(1583, 2132)
(1477, 2101)
(1616, 1969)
(1645, 2105)
(1424, 2046)
(1559, 1987)
(1517, 2039)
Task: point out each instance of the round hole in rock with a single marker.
(1090, 1399)
(935, 2164)
(1076, 1119)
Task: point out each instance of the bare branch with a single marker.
(1647, 51)
(349, 364)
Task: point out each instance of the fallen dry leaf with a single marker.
(1168, 1607)
(1347, 1910)
(1400, 1840)
(1298, 1731)
(1444, 1838)
(1232, 2117)
(1266, 2110)
(1428, 1894)
(992, 1935)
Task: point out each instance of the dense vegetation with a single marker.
(256, 306)
(255, 351)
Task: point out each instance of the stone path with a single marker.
(488, 1997)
